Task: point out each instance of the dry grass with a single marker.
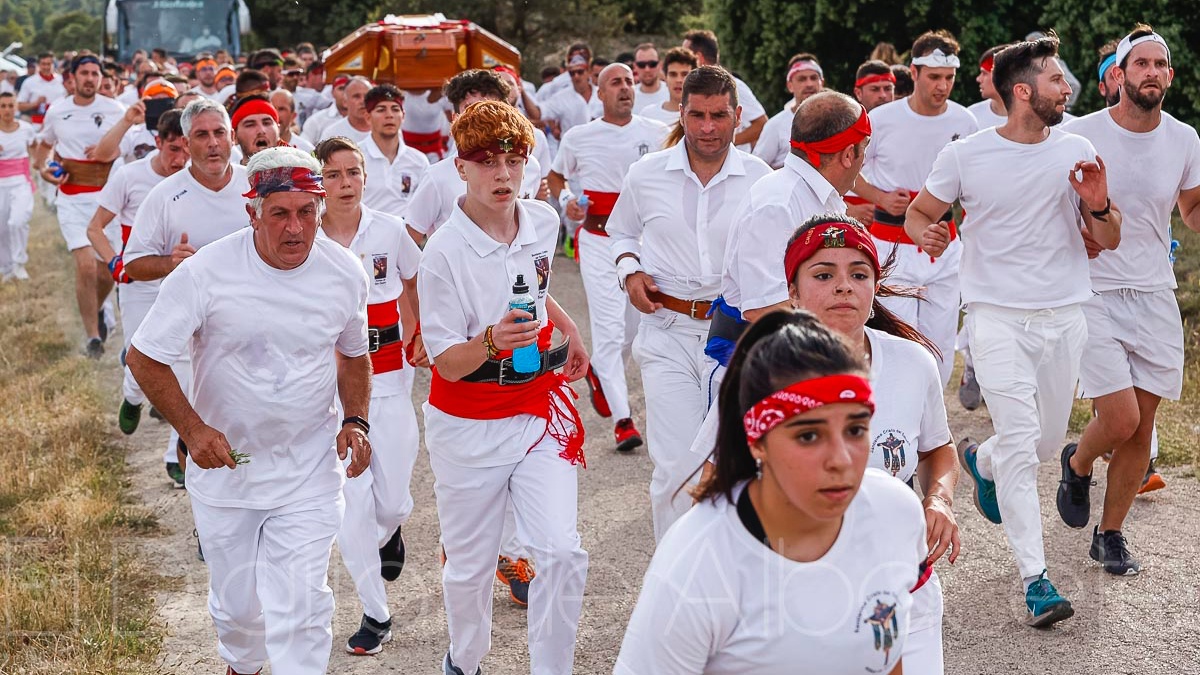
(74, 598)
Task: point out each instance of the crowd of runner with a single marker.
(793, 287)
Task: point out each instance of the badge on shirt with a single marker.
(541, 263)
(892, 444)
(98, 119)
(643, 148)
(405, 183)
(879, 612)
(379, 264)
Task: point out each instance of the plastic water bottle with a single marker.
(525, 359)
(56, 169)
(583, 204)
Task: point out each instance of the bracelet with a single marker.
(564, 197)
(492, 351)
(355, 419)
(1104, 212)
(942, 500)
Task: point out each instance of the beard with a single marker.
(1146, 101)
(1046, 109)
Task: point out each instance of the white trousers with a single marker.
(268, 590)
(1027, 365)
(923, 654)
(676, 377)
(543, 488)
(613, 319)
(936, 316)
(134, 309)
(379, 501)
(16, 209)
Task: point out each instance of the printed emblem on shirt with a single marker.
(879, 615)
(643, 148)
(379, 264)
(98, 119)
(405, 183)
(140, 151)
(892, 445)
(541, 263)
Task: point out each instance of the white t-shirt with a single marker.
(466, 278)
(675, 225)
(440, 188)
(717, 601)
(262, 342)
(342, 128)
(71, 127)
(751, 110)
(389, 256)
(775, 206)
(129, 96)
(15, 145)
(910, 414)
(34, 87)
(775, 141)
(1022, 247)
(390, 185)
(180, 204)
(423, 117)
(301, 143)
(904, 144)
(570, 109)
(597, 155)
(1146, 172)
(315, 125)
(656, 112)
(137, 143)
(642, 99)
(126, 190)
(984, 115)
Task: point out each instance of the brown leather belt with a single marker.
(89, 174)
(596, 224)
(696, 309)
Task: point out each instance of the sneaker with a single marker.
(442, 555)
(599, 401)
(20, 274)
(176, 473)
(569, 246)
(1074, 500)
(370, 638)
(128, 417)
(95, 348)
(199, 548)
(516, 574)
(448, 667)
(985, 490)
(154, 414)
(1046, 606)
(627, 435)
(102, 325)
(391, 557)
(1153, 480)
(231, 671)
(1110, 549)
(968, 390)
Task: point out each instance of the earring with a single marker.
(871, 314)
(758, 468)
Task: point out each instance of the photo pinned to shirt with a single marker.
(405, 183)
(379, 263)
(880, 614)
(541, 263)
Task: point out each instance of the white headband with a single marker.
(937, 59)
(804, 64)
(1126, 45)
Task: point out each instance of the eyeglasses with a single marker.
(577, 73)
(646, 64)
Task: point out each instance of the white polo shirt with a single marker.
(675, 225)
(904, 144)
(597, 155)
(390, 185)
(423, 117)
(775, 141)
(1146, 172)
(389, 256)
(716, 600)
(441, 186)
(342, 127)
(262, 342)
(466, 278)
(1022, 247)
(137, 143)
(776, 205)
(570, 109)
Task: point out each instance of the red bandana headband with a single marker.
(988, 64)
(802, 397)
(829, 235)
(871, 79)
(381, 97)
(499, 146)
(254, 106)
(505, 69)
(837, 142)
(284, 179)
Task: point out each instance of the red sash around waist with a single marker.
(894, 231)
(18, 166)
(390, 356)
(431, 143)
(601, 203)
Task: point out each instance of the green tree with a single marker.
(284, 23)
(68, 31)
(10, 32)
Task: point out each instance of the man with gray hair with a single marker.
(276, 321)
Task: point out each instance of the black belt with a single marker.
(726, 327)
(884, 218)
(377, 338)
(501, 371)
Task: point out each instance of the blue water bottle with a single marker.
(525, 359)
(583, 204)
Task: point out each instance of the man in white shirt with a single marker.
(990, 111)
(804, 78)
(675, 65)
(255, 125)
(907, 136)
(1106, 77)
(668, 231)
(874, 84)
(425, 127)
(563, 79)
(315, 123)
(285, 105)
(277, 323)
(1035, 195)
(1134, 353)
(576, 105)
(650, 88)
(41, 89)
(394, 170)
(355, 125)
(754, 116)
(206, 74)
(129, 138)
(70, 128)
(595, 158)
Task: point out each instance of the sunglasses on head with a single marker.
(646, 64)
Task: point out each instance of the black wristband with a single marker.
(1107, 209)
(355, 419)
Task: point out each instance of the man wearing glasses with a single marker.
(576, 104)
(650, 89)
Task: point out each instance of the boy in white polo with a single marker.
(1035, 194)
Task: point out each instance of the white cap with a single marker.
(1126, 45)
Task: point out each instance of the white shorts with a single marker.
(1135, 339)
(74, 213)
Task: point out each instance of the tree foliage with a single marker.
(285, 22)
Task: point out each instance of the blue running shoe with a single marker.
(985, 490)
(1046, 606)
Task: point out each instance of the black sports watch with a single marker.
(355, 419)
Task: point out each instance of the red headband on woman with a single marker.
(837, 142)
(803, 396)
(829, 235)
(253, 106)
(877, 77)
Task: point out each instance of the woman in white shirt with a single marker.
(797, 555)
(833, 271)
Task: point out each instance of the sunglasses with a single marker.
(646, 64)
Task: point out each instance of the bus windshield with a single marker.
(181, 27)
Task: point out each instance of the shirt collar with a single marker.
(733, 165)
(816, 182)
(480, 242)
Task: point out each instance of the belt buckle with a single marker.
(692, 311)
(510, 376)
(372, 340)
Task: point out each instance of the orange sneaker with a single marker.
(516, 574)
(1153, 481)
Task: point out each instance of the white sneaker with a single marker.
(19, 273)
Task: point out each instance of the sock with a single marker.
(1028, 581)
(984, 465)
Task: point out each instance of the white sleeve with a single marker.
(944, 181)
(667, 634)
(112, 195)
(541, 151)
(408, 256)
(425, 210)
(625, 224)
(148, 235)
(564, 161)
(759, 268)
(352, 342)
(443, 324)
(751, 108)
(166, 333)
(1191, 167)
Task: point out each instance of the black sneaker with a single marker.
(94, 348)
(176, 473)
(370, 638)
(154, 414)
(128, 417)
(102, 326)
(1074, 501)
(1110, 549)
(448, 667)
(391, 557)
(969, 395)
